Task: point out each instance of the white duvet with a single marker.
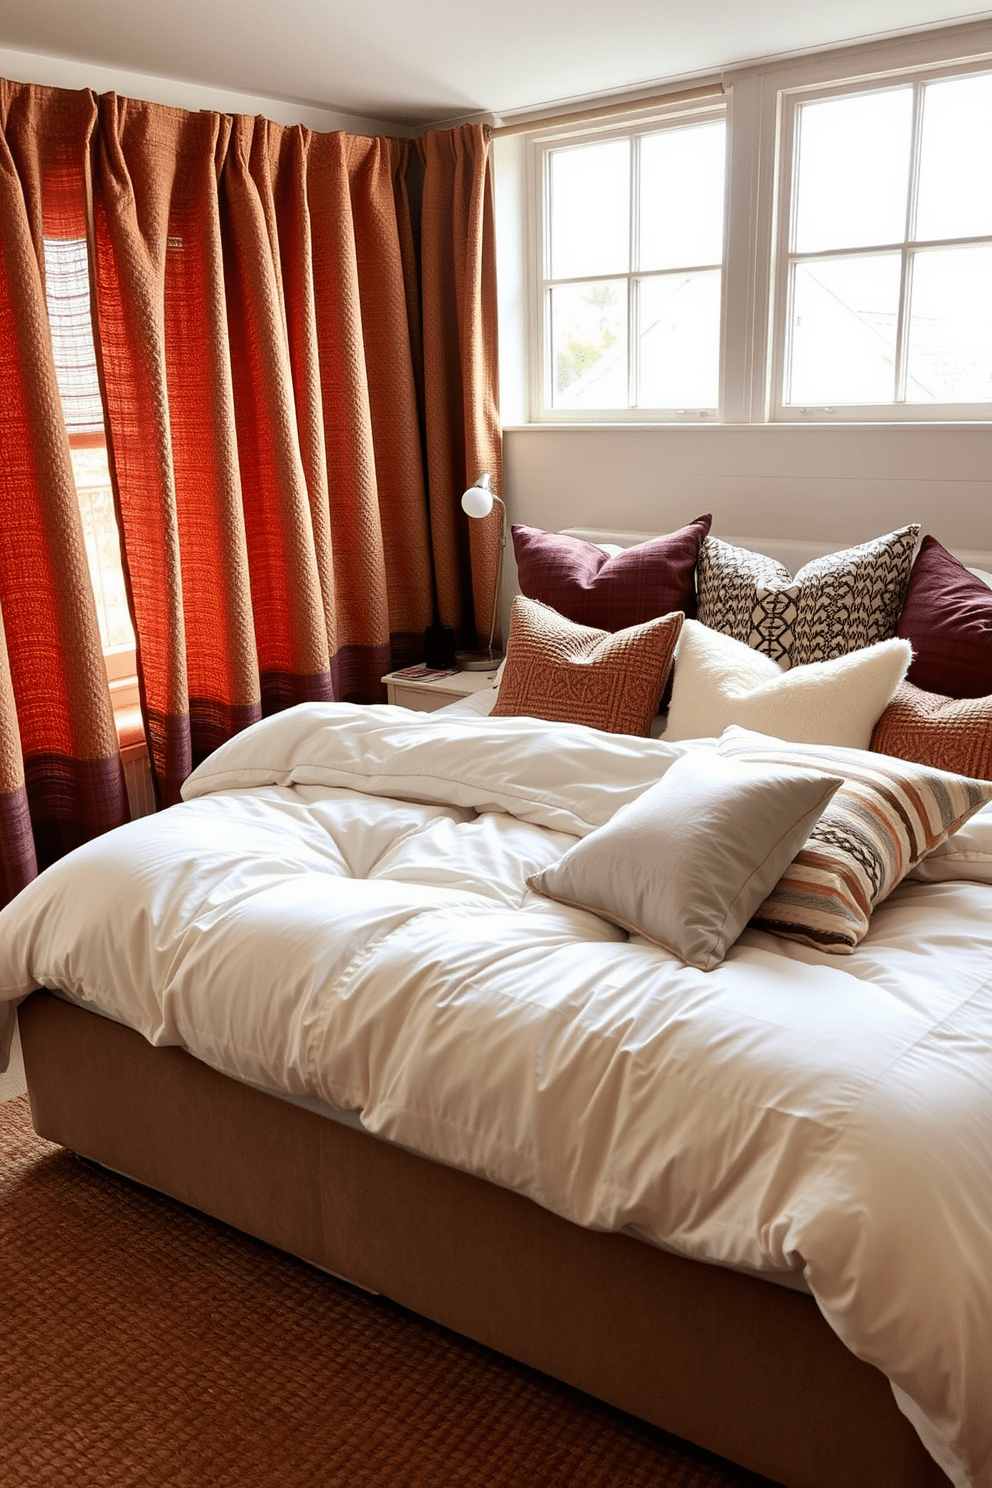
(339, 910)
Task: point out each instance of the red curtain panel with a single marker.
(298, 381)
(166, 371)
(59, 755)
(460, 364)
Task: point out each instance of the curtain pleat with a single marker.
(166, 373)
(298, 383)
(286, 589)
(59, 744)
(18, 859)
(460, 365)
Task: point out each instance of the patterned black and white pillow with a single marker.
(747, 596)
(834, 605)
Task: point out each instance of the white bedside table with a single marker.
(425, 694)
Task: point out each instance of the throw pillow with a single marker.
(688, 862)
(834, 605)
(949, 733)
(614, 592)
(718, 681)
(886, 817)
(571, 673)
(948, 619)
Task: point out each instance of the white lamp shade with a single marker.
(477, 501)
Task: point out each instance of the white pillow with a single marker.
(687, 864)
(719, 681)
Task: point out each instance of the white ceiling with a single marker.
(445, 59)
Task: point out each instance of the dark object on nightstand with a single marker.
(439, 646)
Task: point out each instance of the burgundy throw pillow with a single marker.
(947, 618)
(638, 584)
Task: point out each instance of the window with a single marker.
(632, 269)
(814, 245)
(67, 287)
(887, 266)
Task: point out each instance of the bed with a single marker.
(470, 1123)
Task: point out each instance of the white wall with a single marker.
(63, 72)
(839, 483)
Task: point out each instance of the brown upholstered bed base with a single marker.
(743, 1367)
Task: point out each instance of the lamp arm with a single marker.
(498, 590)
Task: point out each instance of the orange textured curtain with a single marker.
(163, 347)
(260, 344)
(60, 766)
(460, 365)
(298, 382)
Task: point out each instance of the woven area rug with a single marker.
(141, 1343)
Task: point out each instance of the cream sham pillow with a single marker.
(719, 681)
(687, 864)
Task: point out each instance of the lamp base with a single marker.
(478, 661)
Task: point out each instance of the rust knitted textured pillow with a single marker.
(572, 673)
(952, 734)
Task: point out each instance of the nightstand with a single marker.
(425, 694)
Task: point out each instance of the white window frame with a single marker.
(540, 146)
(755, 273)
(895, 412)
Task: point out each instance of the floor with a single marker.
(12, 1081)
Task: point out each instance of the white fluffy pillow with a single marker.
(719, 681)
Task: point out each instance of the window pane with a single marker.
(950, 326)
(844, 313)
(681, 203)
(590, 210)
(589, 345)
(679, 341)
(853, 170)
(955, 194)
(67, 291)
(96, 507)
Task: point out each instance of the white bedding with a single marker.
(339, 910)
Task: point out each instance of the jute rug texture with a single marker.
(141, 1343)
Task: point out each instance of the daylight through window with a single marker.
(633, 257)
(68, 295)
(889, 264)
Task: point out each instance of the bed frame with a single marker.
(743, 1367)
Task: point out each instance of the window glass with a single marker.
(853, 170)
(955, 192)
(67, 289)
(103, 549)
(950, 326)
(590, 210)
(681, 197)
(844, 317)
(631, 321)
(908, 169)
(589, 344)
(678, 326)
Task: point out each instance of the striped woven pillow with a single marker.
(886, 817)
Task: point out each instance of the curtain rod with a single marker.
(591, 114)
